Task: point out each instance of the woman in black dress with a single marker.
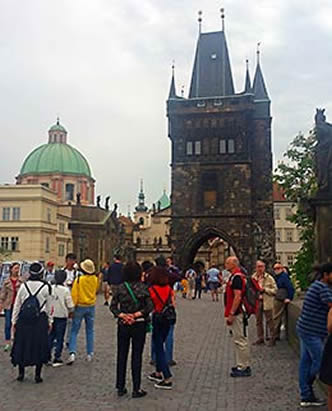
(131, 305)
(326, 368)
(31, 322)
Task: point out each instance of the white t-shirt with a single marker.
(62, 301)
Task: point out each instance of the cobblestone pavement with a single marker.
(204, 353)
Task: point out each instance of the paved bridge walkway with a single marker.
(204, 353)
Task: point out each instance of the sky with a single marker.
(104, 67)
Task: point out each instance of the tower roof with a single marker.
(164, 201)
(247, 81)
(259, 87)
(172, 89)
(212, 75)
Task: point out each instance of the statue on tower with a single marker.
(323, 153)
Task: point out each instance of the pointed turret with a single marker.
(172, 89)
(247, 81)
(141, 200)
(259, 87)
(212, 74)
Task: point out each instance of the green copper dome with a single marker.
(59, 158)
(164, 200)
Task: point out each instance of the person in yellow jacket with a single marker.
(84, 291)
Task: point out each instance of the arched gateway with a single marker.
(221, 158)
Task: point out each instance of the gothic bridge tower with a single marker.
(221, 158)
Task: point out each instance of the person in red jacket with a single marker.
(234, 317)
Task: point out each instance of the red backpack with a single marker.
(250, 296)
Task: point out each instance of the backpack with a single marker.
(167, 315)
(31, 309)
(250, 296)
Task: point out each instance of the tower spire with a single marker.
(222, 11)
(259, 87)
(247, 82)
(172, 89)
(141, 199)
(200, 19)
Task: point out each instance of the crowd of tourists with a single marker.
(45, 313)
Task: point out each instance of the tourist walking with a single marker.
(311, 329)
(8, 295)
(106, 287)
(32, 319)
(234, 318)
(266, 299)
(84, 294)
(214, 281)
(326, 367)
(131, 305)
(285, 294)
(115, 274)
(49, 273)
(63, 307)
(71, 269)
(191, 278)
(162, 295)
(199, 270)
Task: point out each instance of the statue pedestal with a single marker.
(323, 228)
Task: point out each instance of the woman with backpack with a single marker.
(162, 296)
(7, 299)
(32, 319)
(131, 304)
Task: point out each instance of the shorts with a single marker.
(213, 285)
(106, 286)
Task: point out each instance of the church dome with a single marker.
(55, 158)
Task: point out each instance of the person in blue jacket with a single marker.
(284, 296)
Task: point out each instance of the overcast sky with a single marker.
(103, 66)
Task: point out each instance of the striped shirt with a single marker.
(313, 318)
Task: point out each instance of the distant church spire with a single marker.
(141, 199)
(259, 87)
(247, 81)
(172, 89)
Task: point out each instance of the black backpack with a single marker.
(168, 313)
(31, 309)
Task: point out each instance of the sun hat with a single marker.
(87, 266)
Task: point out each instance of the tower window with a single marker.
(227, 146)
(189, 148)
(210, 190)
(69, 192)
(231, 146)
(222, 146)
(197, 147)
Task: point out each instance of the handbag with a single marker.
(168, 313)
(148, 327)
(281, 294)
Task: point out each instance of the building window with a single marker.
(231, 146)
(278, 258)
(6, 213)
(288, 212)
(49, 215)
(5, 243)
(45, 185)
(61, 228)
(47, 245)
(210, 190)
(290, 259)
(289, 235)
(189, 148)
(197, 148)
(14, 243)
(16, 213)
(61, 250)
(278, 236)
(69, 192)
(277, 213)
(222, 146)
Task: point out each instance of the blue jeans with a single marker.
(168, 346)
(88, 313)
(159, 335)
(57, 334)
(310, 361)
(8, 323)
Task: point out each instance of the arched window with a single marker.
(69, 192)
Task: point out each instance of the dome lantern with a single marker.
(57, 133)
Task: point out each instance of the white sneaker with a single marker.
(89, 357)
(71, 359)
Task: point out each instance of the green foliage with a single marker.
(297, 178)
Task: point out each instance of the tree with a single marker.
(4, 254)
(297, 178)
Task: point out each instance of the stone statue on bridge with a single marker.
(323, 153)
